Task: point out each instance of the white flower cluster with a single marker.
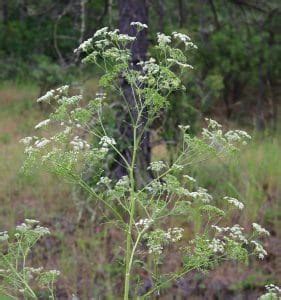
(155, 248)
(259, 250)
(217, 245)
(163, 39)
(106, 141)
(158, 238)
(273, 292)
(201, 194)
(104, 180)
(273, 288)
(101, 32)
(149, 66)
(184, 128)
(234, 202)
(123, 181)
(42, 124)
(85, 46)
(54, 93)
(260, 230)
(139, 25)
(235, 232)
(174, 234)
(185, 39)
(100, 96)
(54, 273)
(79, 144)
(155, 187)
(41, 143)
(47, 97)
(144, 223)
(157, 166)
(235, 136)
(181, 64)
(32, 225)
(213, 124)
(63, 90)
(3, 236)
(32, 270)
(121, 37)
(27, 140)
(223, 141)
(70, 100)
(189, 178)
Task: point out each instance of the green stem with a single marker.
(129, 251)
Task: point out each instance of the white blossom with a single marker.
(41, 143)
(189, 178)
(260, 230)
(217, 228)
(107, 141)
(144, 223)
(185, 39)
(235, 232)
(183, 65)
(47, 97)
(174, 234)
(79, 144)
(42, 123)
(3, 236)
(139, 25)
(217, 245)
(157, 166)
(101, 32)
(163, 39)
(27, 140)
(85, 46)
(104, 180)
(259, 250)
(31, 221)
(184, 127)
(201, 194)
(235, 202)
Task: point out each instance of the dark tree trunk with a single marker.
(23, 10)
(5, 11)
(260, 121)
(159, 7)
(132, 11)
(182, 13)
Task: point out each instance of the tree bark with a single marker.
(132, 11)
(182, 13)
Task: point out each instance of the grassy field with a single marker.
(78, 247)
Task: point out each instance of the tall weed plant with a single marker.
(143, 209)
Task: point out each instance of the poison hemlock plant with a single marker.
(17, 278)
(143, 212)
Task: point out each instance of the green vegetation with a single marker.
(203, 250)
(150, 204)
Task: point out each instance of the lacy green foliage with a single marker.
(17, 278)
(143, 212)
